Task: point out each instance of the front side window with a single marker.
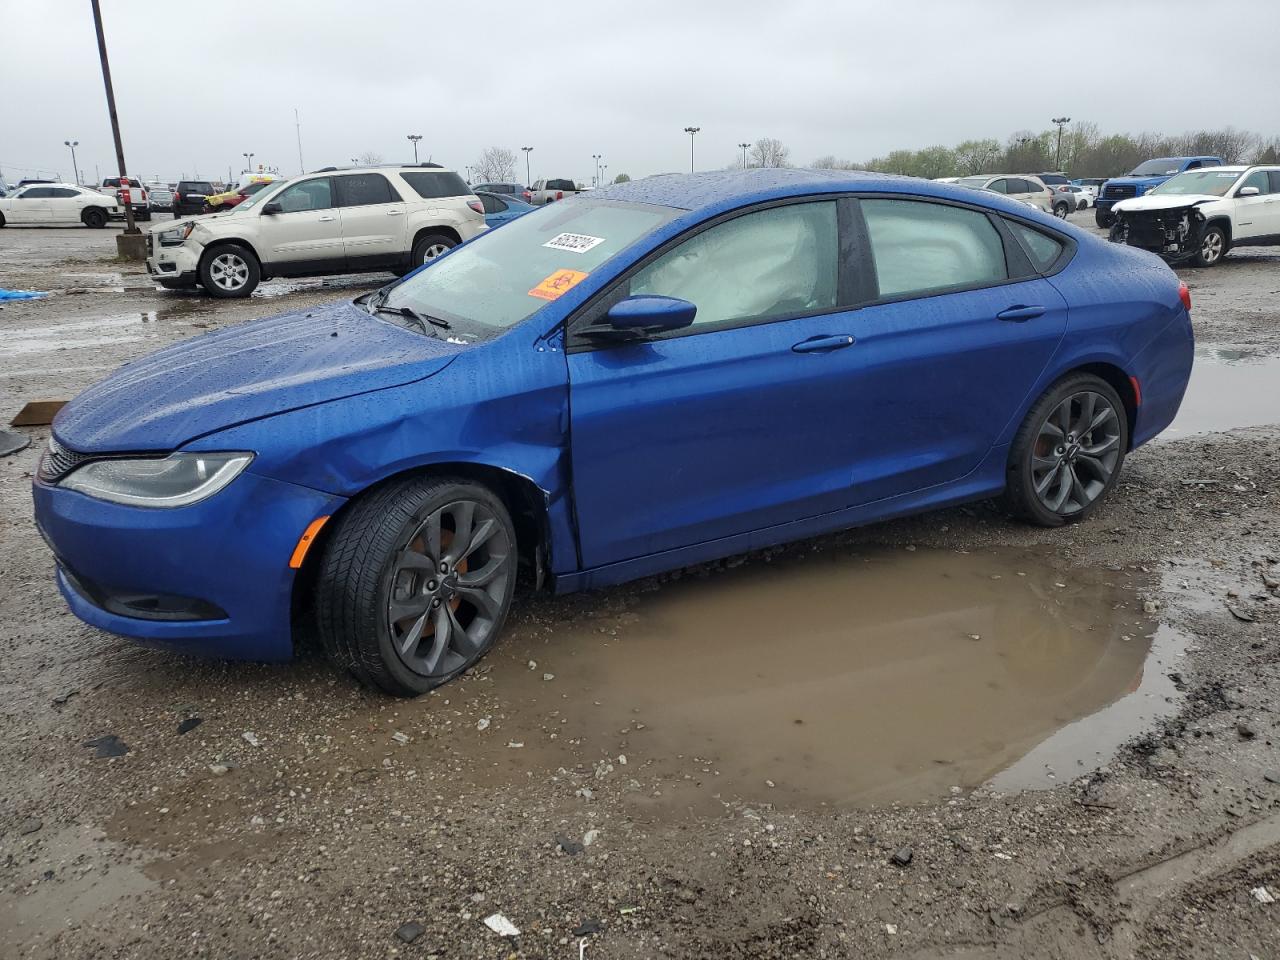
(1257, 179)
(764, 265)
(307, 195)
(37, 193)
(922, 248)
(365, 189)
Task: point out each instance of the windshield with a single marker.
(261, 194)
(503, 276)
(1211, 182)
(1156, 168)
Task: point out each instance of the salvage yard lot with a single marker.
(726, 761)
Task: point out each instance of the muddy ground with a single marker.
(1067, 738)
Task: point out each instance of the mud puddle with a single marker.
(84, 334)
(888, 675)
(1229, 388)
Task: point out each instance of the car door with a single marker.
(299, 230)
(30, 206)
(64, 205)
(731, 424)
(1254, 214)
(373, 221)
(958, 328)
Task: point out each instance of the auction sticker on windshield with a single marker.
(558, 283)
(573, 242)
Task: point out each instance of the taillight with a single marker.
(559, 194)
(528, 197)
(1184, 293)
(177, 196)
(477, 206)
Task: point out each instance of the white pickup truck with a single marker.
(1199, 215)
(139, 199)
(548, 191)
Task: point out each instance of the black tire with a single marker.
(145, 218)
(1103, 218)
(1061, 209)
(429, 247)
(1213, 247)
(95, 218)
(380, 559)
(230, 271)
(1, 219)
(1088, 461)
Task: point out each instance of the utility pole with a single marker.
(1057, 157)
(414, 138)
(130, 245)
(691, 131)
(527, 175)
(744, 147)
(73, 144)
(297, 126)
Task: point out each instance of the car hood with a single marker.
(1137, 181)
(1166, 202)
(246, 373)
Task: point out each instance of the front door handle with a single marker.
(1020, 313)
(394, 213)
(326, 220)
(824, 344)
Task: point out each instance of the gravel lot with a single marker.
(985, 740)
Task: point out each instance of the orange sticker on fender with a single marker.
(560, 282)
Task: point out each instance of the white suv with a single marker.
(366, 219)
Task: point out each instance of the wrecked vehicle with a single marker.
(1199, 215)
(652, 375)
(1144, 178)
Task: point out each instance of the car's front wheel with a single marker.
(1213, 247)
(1067, 455)
(1103, 218)
(415, 582)
(230, 271)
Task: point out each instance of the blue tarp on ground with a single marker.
(18, 294)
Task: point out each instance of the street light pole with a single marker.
(596, 158)
(527, 174)
(249, 161)
(603, 168)
(132, 248)
(73, 144)
(744, 154)
(1057, 157)
(691, 131)
(414, 138)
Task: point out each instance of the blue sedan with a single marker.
(647, 376)
(500, 209)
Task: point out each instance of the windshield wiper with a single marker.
(425, 321)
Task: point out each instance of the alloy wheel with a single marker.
(229, 271)
(447, 587)
(433, 251)
(1076, 452)
(1211, 247)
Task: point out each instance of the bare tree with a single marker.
(496, 165)
(769, 152)
(370, 158)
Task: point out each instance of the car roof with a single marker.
(693, 191)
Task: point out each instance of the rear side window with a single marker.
(62, 193)
(999, 186)
(1274, 176)
(364, 189)
(921, 248)
(429, 186)
(492, 204)
(1043, 249)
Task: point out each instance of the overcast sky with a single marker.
(200, 82)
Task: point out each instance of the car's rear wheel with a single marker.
(431, 246)
(1061, 209)
(95, 218)
(1213, 247)
(230, 271)
(415, 583)
(1067, 455)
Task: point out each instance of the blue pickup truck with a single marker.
(1145, 175)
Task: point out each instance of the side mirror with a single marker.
(1248, 192)
(272, 208)
(637, 318)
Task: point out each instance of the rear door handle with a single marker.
(325, 219)
(824, 344)
(1020, 313)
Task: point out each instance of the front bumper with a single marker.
(227, 555)
(178, 263)
(1173, 234)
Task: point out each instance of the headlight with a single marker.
(176, 481)
(176, 236)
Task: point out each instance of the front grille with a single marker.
(1120, 191)
(58, 461)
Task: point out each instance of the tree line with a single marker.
(1086, 152)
